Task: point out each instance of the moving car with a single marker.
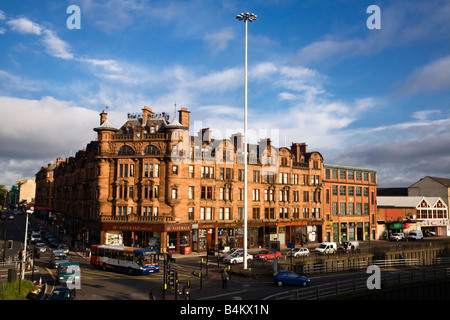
(35, 237)
(268, 254)
(69, 274)
(284, 277)
(62, 293)
(238, 258)
(64, 248)
(58, 257)
(299, 252)
(41, 247)
(233, 252)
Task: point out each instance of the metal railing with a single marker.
(359, 285)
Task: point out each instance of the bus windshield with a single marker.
(148, 258)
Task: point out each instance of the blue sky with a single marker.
(373, 98)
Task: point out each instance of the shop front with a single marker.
(178, 238)
(133, 235)
(230, 235)
(203, 236)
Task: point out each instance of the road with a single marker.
(102, 285)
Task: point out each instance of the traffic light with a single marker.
(172, 277)
(10, 244)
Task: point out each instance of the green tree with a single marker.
(3, 193)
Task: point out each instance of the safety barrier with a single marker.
(335, 289)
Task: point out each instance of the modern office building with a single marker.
(350, 203)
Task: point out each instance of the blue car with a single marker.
(62, 293)
(290, 278)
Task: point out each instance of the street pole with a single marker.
(245, 17)
(24, 257)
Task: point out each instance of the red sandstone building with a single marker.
(150, 183)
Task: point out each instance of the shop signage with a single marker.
(132, 227)
(396, 225)
(178, 227)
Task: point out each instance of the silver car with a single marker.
(41, 247)
(58, 257)
(298, 252)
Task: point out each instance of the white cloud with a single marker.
(25, 26)
(55, 46)
(108, 65)
(433, 77)
(219, 41)
(425, 114)
(35, 132)
(37, 128)
(401, 23)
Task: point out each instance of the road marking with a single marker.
(222, 295)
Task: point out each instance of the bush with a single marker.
(11, 290)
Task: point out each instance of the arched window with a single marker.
(126, 151)
(151, 150)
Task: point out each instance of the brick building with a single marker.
(150, 182)
(350, 204)
(44, 190)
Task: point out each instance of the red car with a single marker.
(266, 254)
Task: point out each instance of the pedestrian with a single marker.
(225, 278)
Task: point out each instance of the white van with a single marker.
(326, 248)
(415, 235)
(349, 245)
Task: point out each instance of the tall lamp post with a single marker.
(245, 17)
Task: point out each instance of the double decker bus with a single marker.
(130, 260)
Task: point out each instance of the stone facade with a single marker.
(150, 182)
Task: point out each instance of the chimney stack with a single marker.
(183, 117)
(146, 112)
(103, 117)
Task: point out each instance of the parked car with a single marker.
(326, 248)
(298, 252)
(397, 236)
(238, 258)
(349, 245)
(428, 233)
(415, 235)
(268, 254)
(284, 277)
(62, 293)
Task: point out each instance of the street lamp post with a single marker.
(245, 17)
